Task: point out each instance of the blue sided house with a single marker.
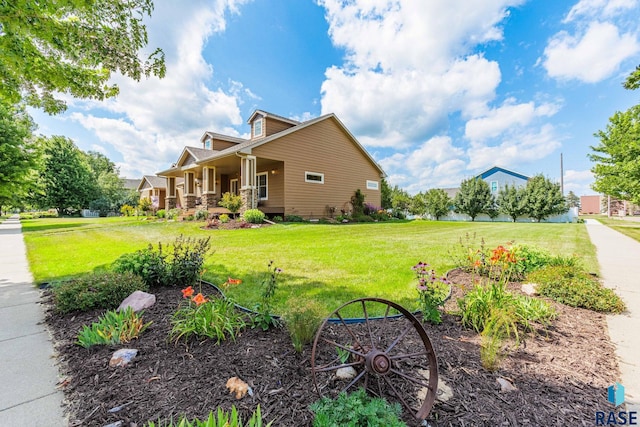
(498, 178)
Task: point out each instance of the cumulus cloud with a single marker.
(601, 9)
(578, 181)
(590, 56)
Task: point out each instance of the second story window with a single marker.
(494, 186)
(207, 144)
(257, 128)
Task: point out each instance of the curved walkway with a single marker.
(28, 374)
(619, 258)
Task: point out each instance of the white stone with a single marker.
(444, 392)
(505, 385)
(122, 357)
(529, 289)
(138, 301)
(346, 373)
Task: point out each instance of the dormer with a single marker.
(264, 124)
(218, 142)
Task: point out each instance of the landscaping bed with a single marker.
(561, 372)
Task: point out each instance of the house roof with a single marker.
(495, 169)
(154, 181)
(130, 184)
(275, 116)
(247, 145)
(221, 137)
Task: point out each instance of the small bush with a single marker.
(222, 419)
(172, 214)
(576, 288)
(102, 290)
(112, 328)
(201, 214)
(127, 210)
(356, 409)
(302, 319)
(148, 264)
(277, 218)
(231, 202)
(253, 216)
(293, 218)
(161, 213)
(215, 319)
(224, 218)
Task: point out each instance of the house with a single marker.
(153, 188)
(498, 178)
(591, 204)
(286, 167)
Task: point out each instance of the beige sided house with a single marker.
(310, 168)
(153, 188)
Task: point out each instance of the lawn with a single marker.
(331, 263)
(629, 228)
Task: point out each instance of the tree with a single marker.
(437, 203)
(633, 81)
(110, 192)
(573, 201)
(17, 154)
(617, 169)
(67, 180)
(400, 201)
(510, 202)
(72, 47)
(473, 198)
(385, 194)
(543, 198)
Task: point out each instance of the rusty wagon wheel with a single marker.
(385, 350)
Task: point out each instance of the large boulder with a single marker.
(138, 301)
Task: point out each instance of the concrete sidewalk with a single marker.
(619, 258)
(28, 375)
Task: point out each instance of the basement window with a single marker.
(314, 177)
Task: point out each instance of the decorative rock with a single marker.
(346, 373)
(122, 357)
(529, 289)
(138, 301)
(505, 385)
(444, 393)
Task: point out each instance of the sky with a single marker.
(437, 91)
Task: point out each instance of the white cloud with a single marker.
(599, 9)
(590, 56)
(578, 181)
(506, 117)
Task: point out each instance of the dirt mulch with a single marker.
(561, 373)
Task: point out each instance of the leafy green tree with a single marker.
(633, 81)
(111, 193)
(510, 201)
(617, 169)
(573, 201)
(473, 198)
(418, 204)
(66, 178)
(71, 46)
(400, 201)
(17, 154)
(437, 203)
(543, 198)
(385, 194)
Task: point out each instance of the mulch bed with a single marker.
(561, 373)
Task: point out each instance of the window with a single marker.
(372, 185)
(494, 186)
(314, 177)
(207, 144)
(262, 186)
(233, 187)
(257, 127)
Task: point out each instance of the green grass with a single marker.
(329, 263)
(629, 228)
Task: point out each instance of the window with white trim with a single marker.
(494, 186)
(262, 184)
(314, 177)
(233, 187)
(257, 127)
(372, 185)
(207, 144)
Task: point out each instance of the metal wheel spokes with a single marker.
(386, 351)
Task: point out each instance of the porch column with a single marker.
(170, 200)
(248, 191)
(209, 188)
(190, 190)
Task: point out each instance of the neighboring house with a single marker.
(286, 167)
(591, 204)
(153, 188)
(498, 178)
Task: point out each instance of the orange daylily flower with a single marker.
(199, 299)
(233, 281)
(187, 292)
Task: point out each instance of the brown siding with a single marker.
(274, 126)
(323, 148)
(275, 186)
(219, 145)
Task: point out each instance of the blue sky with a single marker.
(436, 90)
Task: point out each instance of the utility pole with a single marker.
(561, 176)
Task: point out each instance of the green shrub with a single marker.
(201, 214)
(253, 216)
(293, 218)
(104, 290)
(302, 319)
(356, 409)
(161, 213)
(277, 218)
(173, 213)
(575, 288)
(223, 419)
(224, 218)
(231, 202)
(127, 210)
(156, 268)
(216, 319)
(112, 328)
